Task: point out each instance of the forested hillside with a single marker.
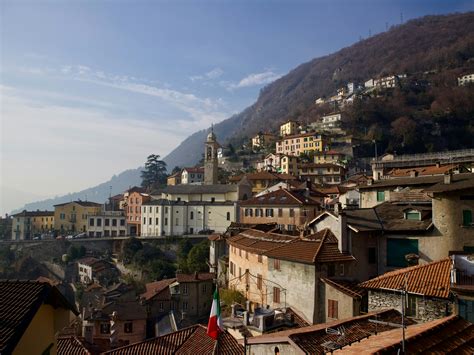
(444, 44)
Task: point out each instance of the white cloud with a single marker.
(255, 79)
(210, 75)
(202, 111)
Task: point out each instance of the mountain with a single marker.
(438, 44)
(100, 193)
(431, 43)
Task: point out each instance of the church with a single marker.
(195, 209)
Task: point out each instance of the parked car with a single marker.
(37, 238)
(60, 237)
(80, 235)
(70, 236)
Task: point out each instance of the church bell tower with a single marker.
(210, 159)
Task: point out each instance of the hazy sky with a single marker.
(89, 88)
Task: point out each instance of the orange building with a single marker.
(134, 198)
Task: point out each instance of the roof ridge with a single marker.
(323, 239)
(407, 270)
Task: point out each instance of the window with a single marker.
(114, 222)
(413, 215)
(292, 212)
(166, 221)
(162, 308)
(185, 289)
(341, 269)
(276, 295)
(257, 212)
(191, 215)
(150, 220)
(259, 281)
(380, 196)
(276, 264)
(280, 212)
(99, 222)
(291, 227)
(185, 305)
(166, 209)
(247, 276)
(137, 209)
(410, 306)
(246, 212)
(107, 222)
(228, 216)
(213, 199)
(128, 327)
(246, 255)
(259, 258)
(372, 255)
(398, 248)
(144, 220)
(467, 218)
(269, 212)
(240, 252)
(332, 309)
(232, 267)
(104, 328)
(204, 288)
(91, 222)
(156, 221)
(331, 270)
(240, 273)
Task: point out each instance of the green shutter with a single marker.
(398, 248)
(380, 196)
(466, 217)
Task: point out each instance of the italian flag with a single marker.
(215, 326)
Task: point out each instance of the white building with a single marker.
(332, 121)
(192, 176)
(172, 218)
(107, 224)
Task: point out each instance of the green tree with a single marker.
(154, 173)
(159, 269)
(197, 258)
(130, 247)
(73, 252)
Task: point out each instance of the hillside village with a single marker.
(303, 238)
(314, 247)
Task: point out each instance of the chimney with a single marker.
(370, 181)
(448, 178)
(344, 246)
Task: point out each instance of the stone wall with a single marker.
(427, 309)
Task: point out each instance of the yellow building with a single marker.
(28, 224)
(72, 216)
(289, 165)
(288, 128)
(295, 145)
(34, 312)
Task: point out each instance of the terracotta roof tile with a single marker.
(158, 289)
(452, 335)
(194, 170)
(71, 346)
(196, 277)
(191, 340)
(310, 339)
(432, 279)
(317, 248)
(423, 170)
(26, 213)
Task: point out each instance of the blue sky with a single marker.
(90, 88)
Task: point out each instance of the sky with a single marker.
(91, 88)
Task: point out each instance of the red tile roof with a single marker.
(20, 300)
(71, 346)
(191, 340)
(311, 339)
(158, 290)
(432, 279)
(281, 197)
(450, 335)
(196, 277)
(423, 170)
(194, 170)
